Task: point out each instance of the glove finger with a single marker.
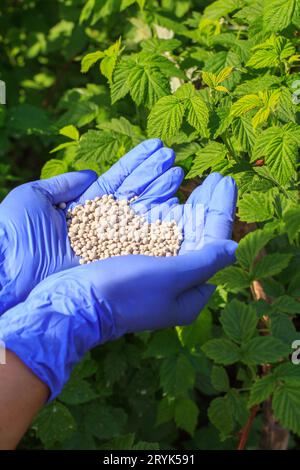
(68, 186)
(114, 177)
(220, 215)
(147, 172)
(109, 182)
(195, 211)
(191, 302)
(203, 193)
(158, 191)
(194, 268)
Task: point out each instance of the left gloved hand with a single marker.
(71, 312)
(33, 232)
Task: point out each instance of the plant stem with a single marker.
(244, 434)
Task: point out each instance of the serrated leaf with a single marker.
(77, 392)
(104, 421)
(286, 304)
(283, 328)
(207, 157)
(263, 349)
(221, 8)
(120, 86)
(165, 410)
(245, 104)
(124, 442)
(278, 14)
(232, 278)
(261, 390)
(237, 404)
(54, 424)
(220, 416)
(219, 379)
(197, 114)
(239, 321)
(270, 265)
(98, 146)
(291, 219)
(54, 167)
(147, 85)
(186, 415)
(222, 351)
(250, 246)
(177, 376)
(163, 344)
(271, 53)
(256, 206)
(90, 59)
(143, 445)
(166, 117)
(286, 406)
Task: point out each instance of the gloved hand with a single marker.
(71, 312)
(33, 231)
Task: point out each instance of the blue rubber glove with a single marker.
(33, 231)
(69, 313)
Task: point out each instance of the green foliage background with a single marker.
(217, 81)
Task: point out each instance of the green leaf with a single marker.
(90, 59)
(256, 206)
(220, 416)
(239, 321)
(238, 406)
(244, 132)
(76, 392)
(177, 376)
(261, 389)
(104, 421)
(70, 131)
(291, 219)
(163, 343)
(279, 147)
(286, 304)
(54, 424)
(86, 11)
(270, 265)
(222, 351)
(245, 104)
(271, 53)
(98, 146)
(278, 14)
(283, 328)
(263, 349)
(120, 86)
(142, 445)
(28, 119)
(166, 117)
(186, 415)
(198, 332)
(232, 278)
(221, 8)
(165, 410)
(219, 379)
(124, 442)
(197, 114)
(207, 157)
(54, 167)
(286, 406)
(147, 85)
(250, 246)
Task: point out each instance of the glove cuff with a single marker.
(53, 329)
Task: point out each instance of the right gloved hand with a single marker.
(71, 312)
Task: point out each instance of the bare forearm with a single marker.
(22, 394)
